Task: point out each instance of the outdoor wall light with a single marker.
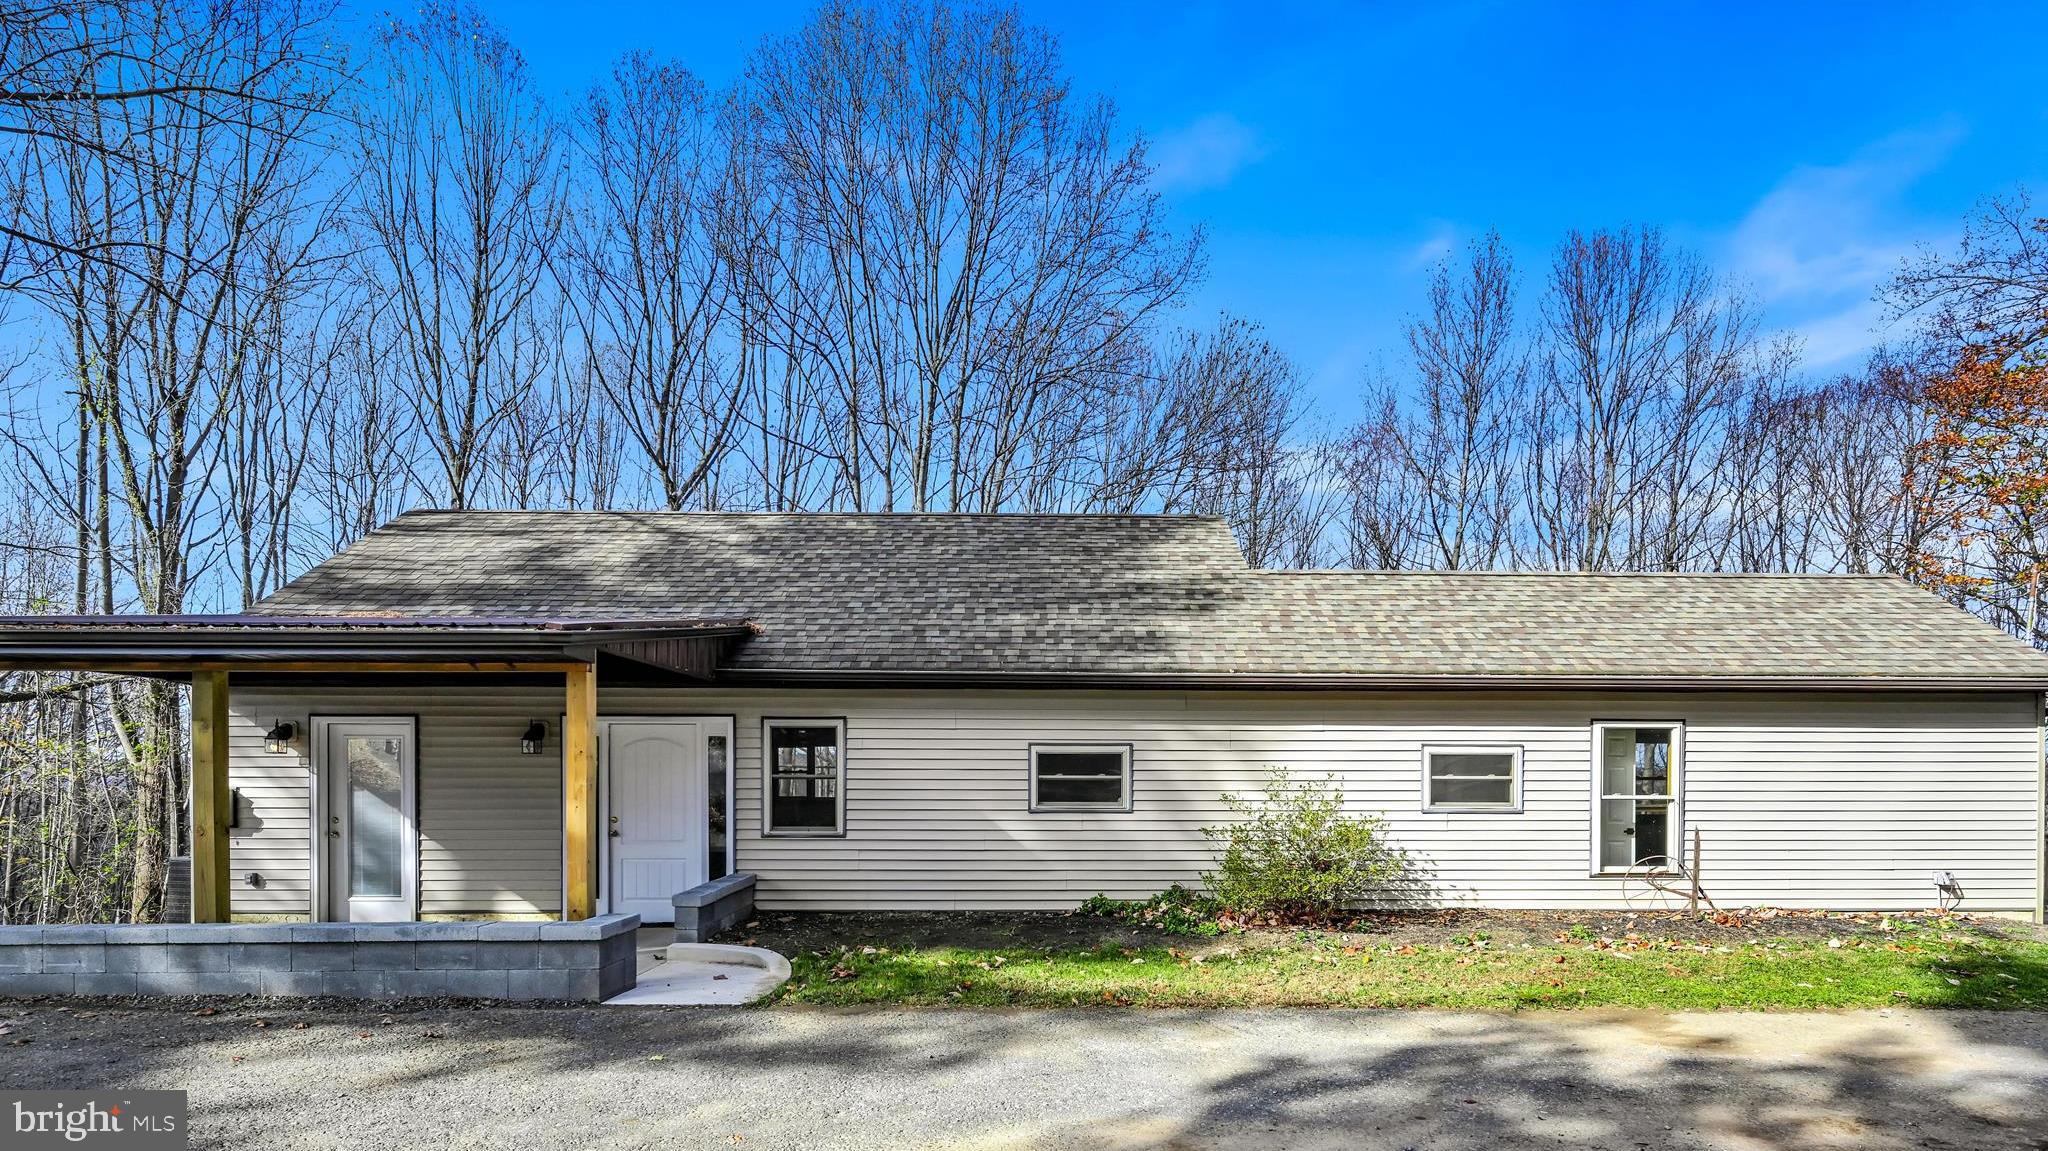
(278, 739)
(536, 733)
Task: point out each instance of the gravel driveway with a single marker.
(1095, 1079)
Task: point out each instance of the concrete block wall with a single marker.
(591, 960)
(709, 908)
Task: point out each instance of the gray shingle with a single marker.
(1134, 595)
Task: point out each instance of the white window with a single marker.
(804, 775)
(1636, 770)
(1080, 777)
(1472, 778)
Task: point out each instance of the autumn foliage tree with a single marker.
(1982, 469)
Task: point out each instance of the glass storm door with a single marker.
(1637, 776)
(370, 780)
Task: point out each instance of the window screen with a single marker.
(1080, 777)
(1472, 778)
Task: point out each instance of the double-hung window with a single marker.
(1636, 771)
(1472, 778)
(1080, 776)
(804, 776)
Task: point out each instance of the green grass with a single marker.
(1921, 970)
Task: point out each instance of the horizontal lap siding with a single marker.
(1835, 800)
(1802, 800)
(490, 818)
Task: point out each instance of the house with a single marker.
(505, 715)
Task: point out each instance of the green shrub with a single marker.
(1175, 911)
(1296, 854)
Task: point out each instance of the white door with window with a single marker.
(656, 813)
(1636, 801)
(368, 783)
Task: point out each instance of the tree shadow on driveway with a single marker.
(1093, 1079)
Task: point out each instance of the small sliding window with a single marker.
(1080, 777)
(1469, 777)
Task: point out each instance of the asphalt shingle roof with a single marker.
(1136, 596)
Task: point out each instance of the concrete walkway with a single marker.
(1099, 1080)
(704, 975)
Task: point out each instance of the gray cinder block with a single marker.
(709, 908)
(260, 956)
(76, 958)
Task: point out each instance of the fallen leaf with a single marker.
(657, 1058)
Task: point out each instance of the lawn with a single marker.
(1495, 961)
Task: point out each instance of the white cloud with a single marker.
(1205, 154)
(1819, 244)
(1442, 238)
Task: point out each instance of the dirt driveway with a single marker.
(1092, 1079)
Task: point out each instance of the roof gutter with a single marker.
(834, 677)
(173, 644)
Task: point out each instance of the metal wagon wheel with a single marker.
(1655, 884)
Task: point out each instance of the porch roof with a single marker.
(180, 644)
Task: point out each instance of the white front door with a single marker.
(655, 814)
(368, 778)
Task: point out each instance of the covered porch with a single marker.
(361, 844)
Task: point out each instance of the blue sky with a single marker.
(1335, 151)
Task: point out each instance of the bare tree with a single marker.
(1646, 360)
(1433, 472)
(460, 197)
(203, 187)
(949, 246)
(644, 275)
(65, 64)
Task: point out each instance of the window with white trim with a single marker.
(1472, 778)
(804, 776)
(1636, 770)
(1080, 777)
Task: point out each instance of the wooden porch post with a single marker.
(210, 797)
(579, 793)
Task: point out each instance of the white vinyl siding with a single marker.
(490, 818)
(1837, 800)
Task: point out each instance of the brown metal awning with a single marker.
(178, 645)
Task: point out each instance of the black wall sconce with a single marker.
(278, 739)
(536, 733)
